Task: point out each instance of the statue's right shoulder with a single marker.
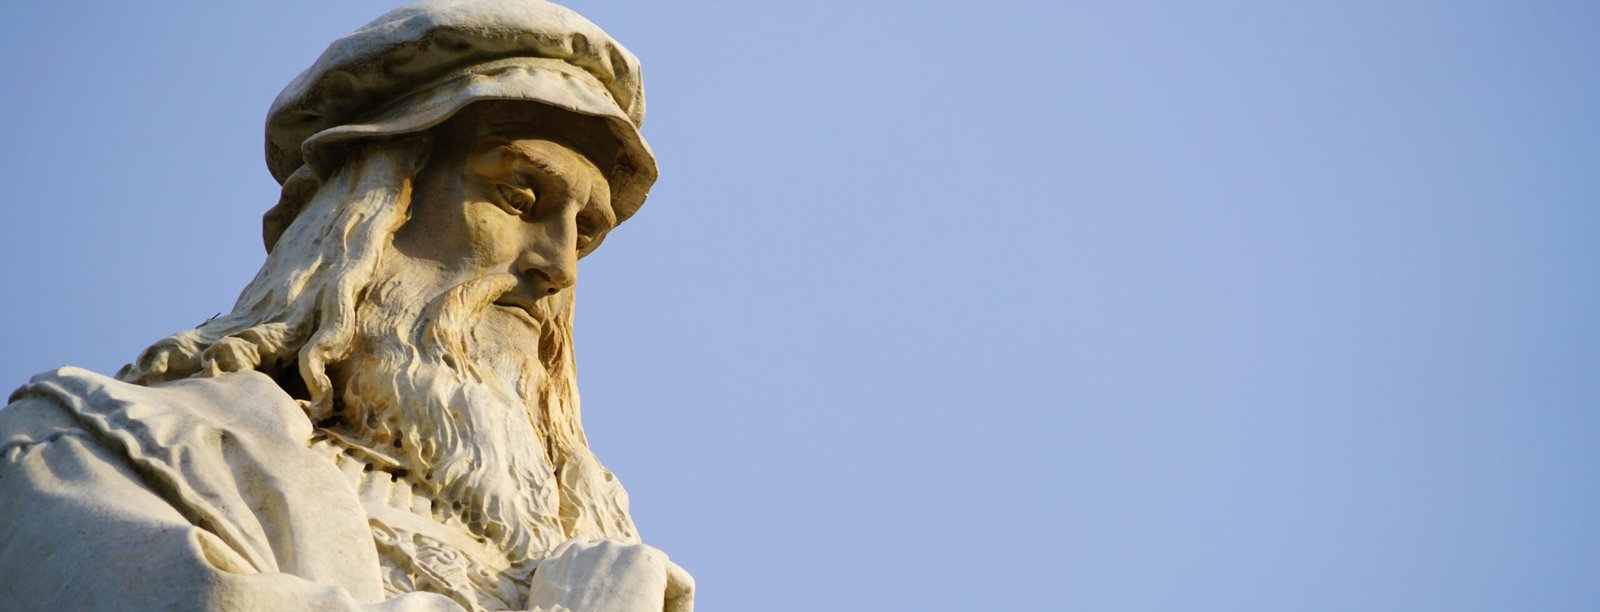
(60, 385)
(122, 496)
(44, 409)
(70, 399)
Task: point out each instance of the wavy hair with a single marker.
(298, 314)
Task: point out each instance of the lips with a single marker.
(523, 313)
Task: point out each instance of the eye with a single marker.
(587, 229)
(516, 201)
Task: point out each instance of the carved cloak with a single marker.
(195, 494)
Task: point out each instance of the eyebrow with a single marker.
(527, 156)
(606, 211)
(518, 128)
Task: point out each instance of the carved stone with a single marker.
(388, 419)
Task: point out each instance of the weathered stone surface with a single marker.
(388, 419)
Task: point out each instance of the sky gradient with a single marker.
(974, 306)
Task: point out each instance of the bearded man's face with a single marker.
(460, 367)
(502, 196)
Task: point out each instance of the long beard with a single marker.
(466, 408)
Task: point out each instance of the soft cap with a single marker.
(416, 66)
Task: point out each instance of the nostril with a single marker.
(547, 280)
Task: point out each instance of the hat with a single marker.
(416, 66)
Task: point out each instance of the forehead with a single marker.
(588, 136)
(493, 154)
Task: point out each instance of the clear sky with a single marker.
(974, 306)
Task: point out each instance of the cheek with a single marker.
(490, 236)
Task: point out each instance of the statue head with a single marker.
(443, 170)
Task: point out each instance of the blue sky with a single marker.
(957, 306)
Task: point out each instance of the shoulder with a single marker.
(73, 399)
(45, 409)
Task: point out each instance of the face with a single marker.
(500, 196)
(478, 276)
(461, 354)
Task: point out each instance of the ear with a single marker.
(418, 149)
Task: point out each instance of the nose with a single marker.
(551, 280)
(550, 269)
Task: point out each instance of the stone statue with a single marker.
(388, 418)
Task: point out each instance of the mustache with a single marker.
(437, 325)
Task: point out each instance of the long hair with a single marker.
(298, 314)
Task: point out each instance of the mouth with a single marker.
(520, 312)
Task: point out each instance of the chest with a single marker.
(423, 546)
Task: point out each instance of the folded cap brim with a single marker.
(550, 82)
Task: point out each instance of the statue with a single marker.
(388, 419)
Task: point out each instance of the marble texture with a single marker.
(388, 419)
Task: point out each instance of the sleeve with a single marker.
(78, 531)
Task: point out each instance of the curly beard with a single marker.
(479, 405)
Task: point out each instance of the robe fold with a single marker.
(198, 494)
